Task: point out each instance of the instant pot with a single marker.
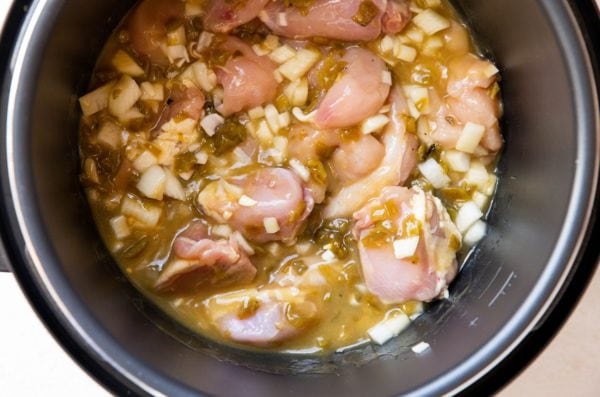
(511, 296)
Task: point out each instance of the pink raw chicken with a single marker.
(278, 193)
(147, 27)
(248, 80)
(187, 103)
(424, 275)
(269, 322)
(201, 260)
(223, 16)
(398, 162)
(359, 93)
(324, 18)
(468, 101)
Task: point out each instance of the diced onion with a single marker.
(388, 328)
(300, 64)
(386, 44)
(434, 173)
(246, 201)
(145, 161)
(490, 70)
(480, 199)
(204, 40)
(470, 137)
(405, 53)
(419, 96)
(297, 92)
(284, 119)
(457, 161)
(173, 187)
(282, 19)
(405, 247)
(490, 185)
(91, 170)
(297, 112)
(374, 123)
(272, 117)
(177, 54)
(328, 256)
(263, 133)
(206, 78)
(432, 45)
(420, 347)
(124, 63)
(301, 170)
(120, 227)
(477, 175)
(271, 225)
(152, 91)
(256, 113)
(144, 213)
(386, 77)
(152, 182)
(123, 96)
(97, 100)
(475, 233)
(415, 35)
(468, 214)
(201, 157)
(109, 134)
(210, 123)
(221, 230)
(430, 22)
(239, 238)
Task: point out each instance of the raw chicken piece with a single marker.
(469, 72)
(358, 94)
(223, 16)
(188, 102)
(147, 27)
(323, 18)
(398, 162)
(410, 213)
(457, 38)
(262, 318)
(277, 192)
(200, 260)
(307, 143)
(248, 80)
(468, 101)
(356, 159)
(397, 15)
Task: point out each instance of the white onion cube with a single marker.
(475, 233)
(430, 22)
(458, 161)
(434, 173)
(119, 226)
(470, 137)
(405, 247)
(467, 215)
(210, 123)
(271, 225)
(388, 328)
(152, 182)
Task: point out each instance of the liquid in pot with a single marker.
(291, 175)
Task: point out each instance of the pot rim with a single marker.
(105, 359)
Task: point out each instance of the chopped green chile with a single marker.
(336, 236)
(227, 136)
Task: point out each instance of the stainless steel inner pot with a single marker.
(539, 226)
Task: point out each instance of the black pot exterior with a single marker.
(537, 226)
